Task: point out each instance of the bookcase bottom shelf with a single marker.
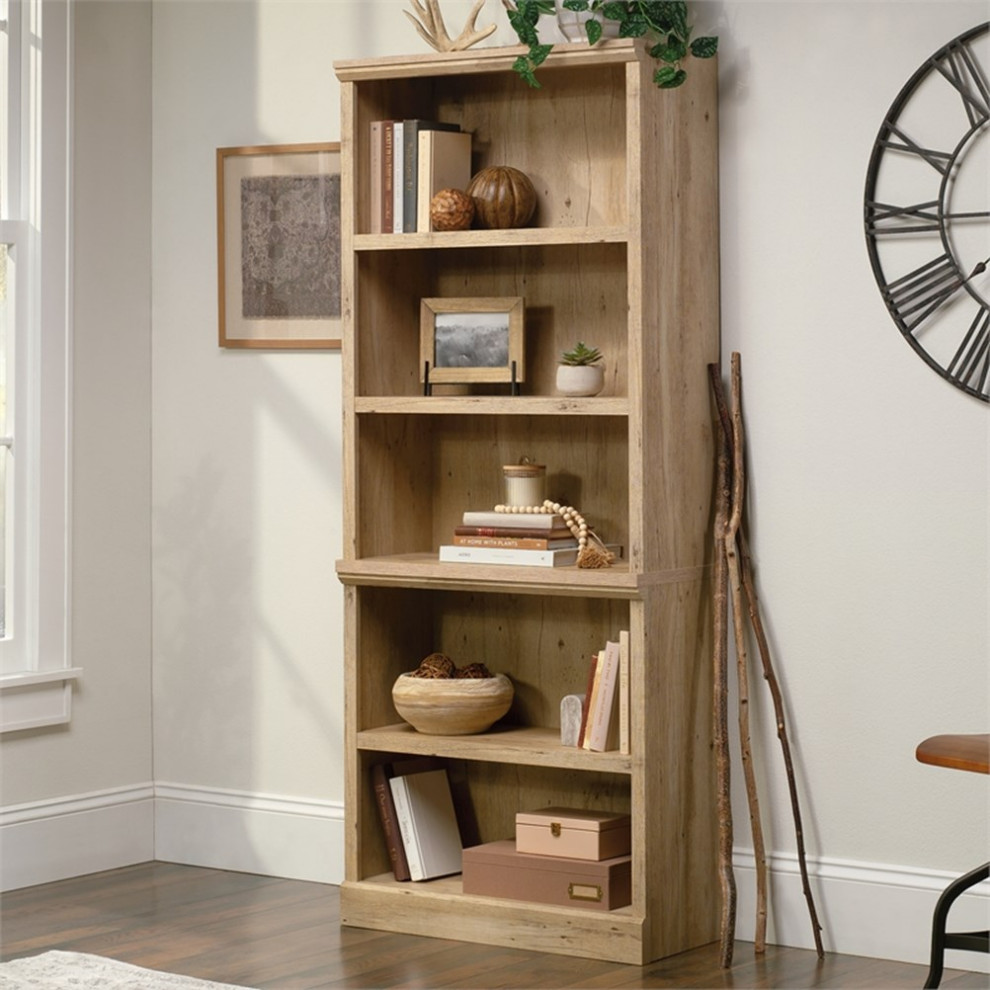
(439, 909)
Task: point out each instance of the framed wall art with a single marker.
(468, 341)
(278, 246)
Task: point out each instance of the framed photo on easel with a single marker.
(278, 246)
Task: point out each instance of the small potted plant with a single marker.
(664, 26)
(580, 371)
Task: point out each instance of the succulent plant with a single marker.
(581, 355)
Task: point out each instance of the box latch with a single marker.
(555, 829)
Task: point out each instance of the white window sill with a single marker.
(36, 698)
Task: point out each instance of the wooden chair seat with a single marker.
(955, 752)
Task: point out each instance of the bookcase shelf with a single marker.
(520, 746)
(623, 254)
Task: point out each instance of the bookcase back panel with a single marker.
(419, 474)
(570, 293)
(498, 791)
(579, 175)
(543, 644)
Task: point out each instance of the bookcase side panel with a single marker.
(679, 239)
(679, 856)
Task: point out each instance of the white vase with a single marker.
(571, 24)
(580, 379)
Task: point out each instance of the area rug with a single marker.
(77, 971)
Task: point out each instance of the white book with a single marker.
(427, 823)
(444, 163)
(398, 177)
(455, 553)
(602, 717)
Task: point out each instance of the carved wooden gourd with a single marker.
(503, 197)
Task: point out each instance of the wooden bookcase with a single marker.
(623, 253)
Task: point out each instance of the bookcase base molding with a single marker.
(442, 911)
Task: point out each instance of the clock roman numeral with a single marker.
(918, 294)
(971, 363)
(963, 71)
(920, 218)
(939, 160)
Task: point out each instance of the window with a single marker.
(35, 676)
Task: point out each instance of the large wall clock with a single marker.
(927, 211)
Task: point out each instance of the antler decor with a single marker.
(428, 21)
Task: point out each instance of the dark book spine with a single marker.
(380, 774)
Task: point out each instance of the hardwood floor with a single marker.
(265, 932)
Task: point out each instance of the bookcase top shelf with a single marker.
(520, 746)
(515, 237)
(479, 60)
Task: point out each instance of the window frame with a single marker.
(36, 674)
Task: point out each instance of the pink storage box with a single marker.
(573, 833)
(496, 869)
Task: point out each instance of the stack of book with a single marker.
(411, 161)
(416, 810)
(529, 538)
(605, 714)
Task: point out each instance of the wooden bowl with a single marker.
(456, 706)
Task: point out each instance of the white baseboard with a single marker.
(864, 909)
(250, 833)
(69, 837)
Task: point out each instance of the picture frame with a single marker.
(470, 341)
(278, 246)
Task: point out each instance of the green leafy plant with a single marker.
(663, 24)
(581, 355)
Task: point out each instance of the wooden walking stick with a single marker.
(749, 586)
(727, 880)
(742, 655)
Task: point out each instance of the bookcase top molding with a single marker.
(480, 60)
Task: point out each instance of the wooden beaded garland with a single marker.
(591, 550)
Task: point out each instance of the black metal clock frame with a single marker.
(917, 299)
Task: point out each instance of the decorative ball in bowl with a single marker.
(452, 706)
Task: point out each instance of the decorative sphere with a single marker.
(503, 197)
(451, 209)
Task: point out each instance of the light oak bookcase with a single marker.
(623, 254)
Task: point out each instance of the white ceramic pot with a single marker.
(580, 379)
(571, 24)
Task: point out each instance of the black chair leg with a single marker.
(942, 940)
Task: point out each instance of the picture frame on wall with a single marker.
(278, 246)
(469, 341)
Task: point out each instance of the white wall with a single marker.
(85, 788)
(868, 498)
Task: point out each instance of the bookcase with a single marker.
(623, 254)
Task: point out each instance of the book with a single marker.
(624, 692)
(512, 532)
(380, 775)
(515, 542)
(602, 733)
(444, 163)
(592, 671)
(398, 177)
(410, 165)
(376, 181)
(504, 555)
(427, 823)
(514, 520)
(388, 175)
